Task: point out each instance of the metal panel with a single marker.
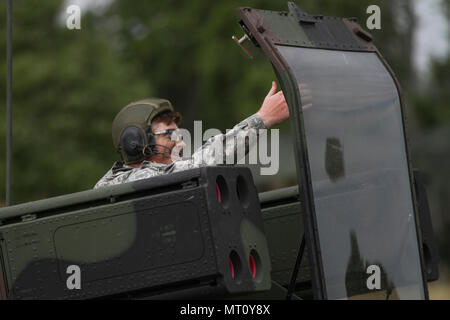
(322, 33)
(146, 242)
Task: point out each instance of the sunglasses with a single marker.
(173, 134)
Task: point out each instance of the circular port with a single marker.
(234, 263)
(255, 265)
(242, 191)
(222, 191)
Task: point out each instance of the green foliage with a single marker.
(431, 105)
(67, 87)
(432, 110)
(431, 102)
(186, 51)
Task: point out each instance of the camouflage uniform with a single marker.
(226, 145)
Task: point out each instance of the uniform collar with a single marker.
(119, 166)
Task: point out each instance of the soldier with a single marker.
(145, 134)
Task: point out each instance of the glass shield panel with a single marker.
(359, 172)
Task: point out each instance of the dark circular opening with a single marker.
(255, 265)
(234, 263)
(242, 191)
(222, 191)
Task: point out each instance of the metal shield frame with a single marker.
(266, 29)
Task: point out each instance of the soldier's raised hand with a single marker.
(274, 109)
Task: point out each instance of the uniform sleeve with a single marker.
(224, 148)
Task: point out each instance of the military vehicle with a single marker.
(356, 226)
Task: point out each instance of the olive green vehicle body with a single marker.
(138, 239)
(190, 234)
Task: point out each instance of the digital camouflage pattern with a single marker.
(226, 146)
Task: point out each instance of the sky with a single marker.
(432, 37)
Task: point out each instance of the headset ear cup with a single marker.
(132, 141)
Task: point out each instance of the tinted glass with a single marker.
(359, 172)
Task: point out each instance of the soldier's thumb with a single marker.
(273, 89)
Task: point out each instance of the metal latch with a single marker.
(239, 43)
(360, 32)
(28, 217)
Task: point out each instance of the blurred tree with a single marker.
(185, 49)
(67, 84)
(431, 102)
(430, 145)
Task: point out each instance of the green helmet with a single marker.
(131, 128)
